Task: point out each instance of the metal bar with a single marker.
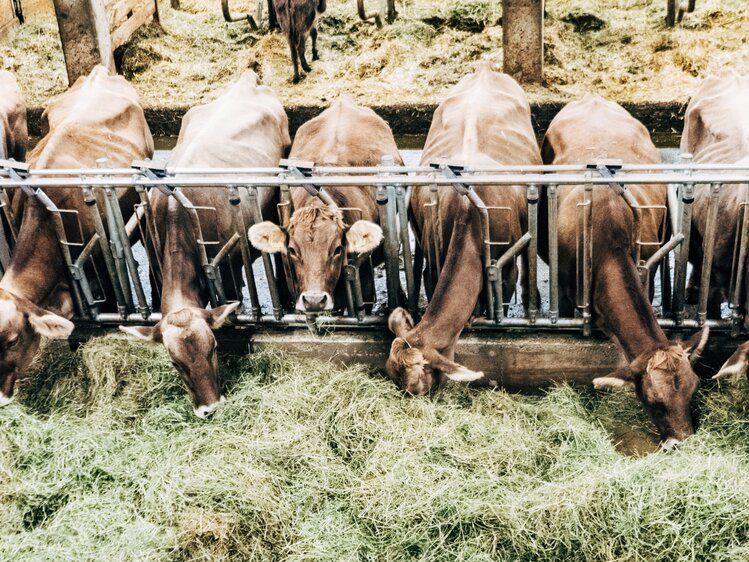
(62, 239)
(89, 198)
(682, 256)
(364, 16)
(235, 201)
(387, 209)
(132, 265)
(510, 254)
(673, 169)
(257, 212)
(228, 16)
(739, 267)
(352, 181)
(587, 262)
(405, 243)
(532, 260)
(553, 210)
(647, 268)
(708, 249)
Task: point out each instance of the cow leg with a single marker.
(313, 34)
(295, 62)
(272, 19)
(302, 57)
(695, 258)
(509, 282)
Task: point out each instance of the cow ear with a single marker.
(695, 345)
(145, 333)
(267, 237)
(400, 322)
(450, 369)
(363, 237)
(217, 316)
(621, 380)
(50, 325)
(736, 363)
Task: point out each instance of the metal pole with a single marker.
(553, 197)
(511, 254)
(742, 231)
(405, 242)
(118, 255)
(387, 207)
(587, 269)
(532, 261)
(244, 247)
(708, 249)
(267, 264)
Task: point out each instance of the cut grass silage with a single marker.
(101, 459)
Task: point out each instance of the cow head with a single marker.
(21, 325)
(665, 382)
(416, 367)
(314, 243)
(187, 335)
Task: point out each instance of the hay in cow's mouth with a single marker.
(102, 459)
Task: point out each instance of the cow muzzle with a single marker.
(315, 301)
(204, 411)
(5, 400)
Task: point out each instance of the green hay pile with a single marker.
(101, 459)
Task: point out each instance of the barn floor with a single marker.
(102, 459)
(620, 48)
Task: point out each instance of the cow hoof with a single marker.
(296, 79)
(307, 68)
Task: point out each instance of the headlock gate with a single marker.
(403, 263)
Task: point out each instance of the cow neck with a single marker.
(181, 264)
(37, 266)
(458, 287)
(623, 307)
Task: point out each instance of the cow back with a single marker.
(345, 134)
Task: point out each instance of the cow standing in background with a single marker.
(485, 121)
(297, 20)
(318, 235)
(99, 116)
(245, 127)
(716, 131)
(14, 132)
(659, 372)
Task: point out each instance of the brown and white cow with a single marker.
(485, 120)
(245, 127)
(716, 131)
(660, 372)
(100, 116)
(12, 119)
(319, 235)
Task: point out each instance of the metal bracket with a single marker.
(304, 169)
(18, 171)
(153, 172)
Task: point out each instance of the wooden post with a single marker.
(84, 32)
(523, 39)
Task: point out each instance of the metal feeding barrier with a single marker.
(391, 186)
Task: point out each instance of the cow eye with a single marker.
(292, 253)
(337, 251)
(12, 342)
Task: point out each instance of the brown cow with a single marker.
(716, 131)
(485, 120)
(660, 372)
(297, 20)
(100, 116)
(246, 126)
(345, 134)
(12, 119)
